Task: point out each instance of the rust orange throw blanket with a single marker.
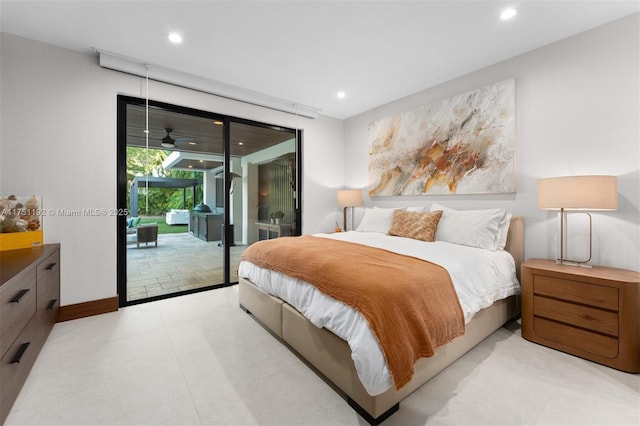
(411, 305)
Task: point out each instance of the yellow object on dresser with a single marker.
(20, 240)
(592, 313)
(20, 222)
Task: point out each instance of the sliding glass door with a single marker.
(199, 188)
(263, 184)
(170, 161)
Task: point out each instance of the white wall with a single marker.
(577, 112)
(58, 140)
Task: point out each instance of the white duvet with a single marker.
(480, 278)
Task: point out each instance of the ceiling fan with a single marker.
(169, 142)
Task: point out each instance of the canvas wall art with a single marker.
(461, 145)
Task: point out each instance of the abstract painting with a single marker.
(461, 145)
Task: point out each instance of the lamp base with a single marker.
(573, 263)
(344, 219)
(562, 260)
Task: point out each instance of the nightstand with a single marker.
(593, 313)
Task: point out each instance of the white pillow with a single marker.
(376, 220)
(475, 228)
(419, 209)
(503, 230)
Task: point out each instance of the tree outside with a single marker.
(141, 162)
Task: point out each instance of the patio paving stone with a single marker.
(180, 262)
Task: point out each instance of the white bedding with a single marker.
(480, 278)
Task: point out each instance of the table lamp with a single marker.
(577, 193)
(349, 198)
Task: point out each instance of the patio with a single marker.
(180, 262)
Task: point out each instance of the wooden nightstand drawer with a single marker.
(583, 340)
(576, 291)
(581, 316)
(593, 313)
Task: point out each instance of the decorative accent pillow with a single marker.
(475, 228)
(416, 225)
(376, 220)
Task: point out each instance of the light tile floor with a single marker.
(179, 262)
(200, 360)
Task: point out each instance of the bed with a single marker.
(332, 356)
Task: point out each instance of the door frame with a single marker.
(122, 188)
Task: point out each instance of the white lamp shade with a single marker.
(349, 198)
(578, 193)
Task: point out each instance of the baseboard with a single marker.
(87, 309)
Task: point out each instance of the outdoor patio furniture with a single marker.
(206, 226)
(147, 233)
(177, 217)
(132, 224)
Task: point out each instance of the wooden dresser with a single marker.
(593, 313)
(29, 305)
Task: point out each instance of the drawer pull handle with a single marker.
(51, 266)
(19, 296)
(23, 347)
(51, 304)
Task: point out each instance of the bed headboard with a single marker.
(515, 241)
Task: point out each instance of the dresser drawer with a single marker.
(48, 278)
(581, 316)
(49, 316)
(17, 306)
(575, 338)
(576, 291)
(48, 275)
(16, 364)
(29, 284)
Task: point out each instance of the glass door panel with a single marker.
(176, 203)
(263, 185)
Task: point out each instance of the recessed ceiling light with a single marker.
(219, 123)
(192, 143)
(240, 143)
(508, 14)
(175, 38)
(341, 95)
